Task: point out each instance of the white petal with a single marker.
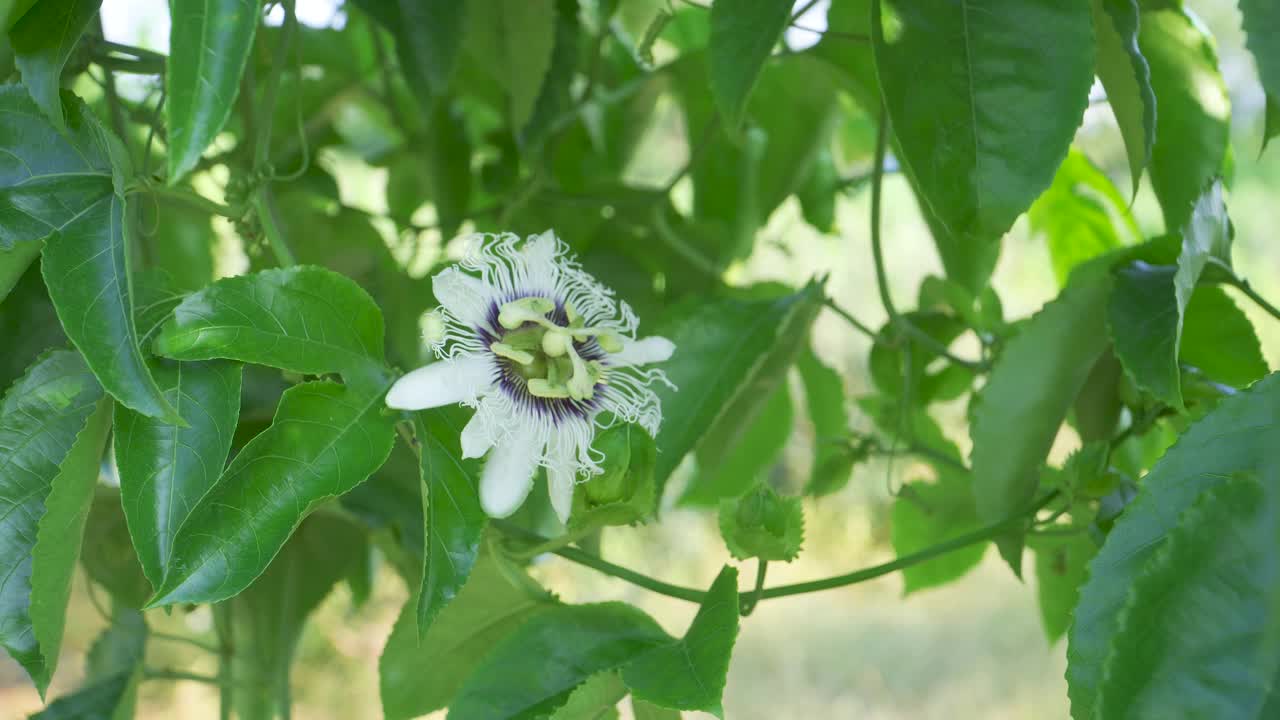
(508, 474)
(465, 297)
(560, 477)
(477, 436)
(461, 379)
(644, 351)
(540, 261)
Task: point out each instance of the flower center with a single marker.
(547, 355)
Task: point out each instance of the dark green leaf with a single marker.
(421, 676)
(824, 396)
(1198, 634)
(983, 125)
(1097, 407)
(29, 325)
(108, 554)
(449, 167)
(1034, 381)
(209, 43)
(1262, 36)
(1145, 324)
(1127, 79)
(762, 524)
(1081, 215)
(165, 469)
(1237, 436)
(743, 34)
(325, 440)
(454, 520)
(689, 674)
(302, 319)
(62, 188)
(428, 39)
(98, 701)
(1193, 109)
(59, 533)
(1218, 339)
(1061, 568)
(181, 243)
(1206, 241)
(571, 643)
(754, 342)
(925, 514)
(268, 616)
(14, 263)
(750, 459)
(40, 419)
(513, 40)
(42, 41)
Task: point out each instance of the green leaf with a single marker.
(1081, 215)
(1145, 323)
(112, 674)
(181, 243)
(754, 342)
(1193, 108)
(62, 188)
(29, 325)
(421, 676)
(595, 699)
(428, 39)
(1061, 568)
(1218, 338)
(301, 319)
(42, 41)
(267, 618)
(1198, 634)
(817, 192)
(762, 524)
(983, 125)
(750, 459)
(14, 263)
(513, 40)
(825, 397)
(165, 469)
(1261, 22)
(325, 440)
(925, 514)
(1126, 77)
(108, 555)
(571, 643)
(743, 34)
(1236, 437)
(209, 43)
(1034, 381)
(1097, 407)
(690, 673)
(40, 419)
(454, 520)
(449, 167)
(58, 536)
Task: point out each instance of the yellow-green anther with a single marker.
(518, 312)
(581, 384)
(506, 351)
(572, 313)
(610, 342)
(554, 344)
(539, 387)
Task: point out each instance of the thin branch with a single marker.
(193, 642)
(1243, 286)
(853, 321)
(747, 603)
(697, 596)
(194, 200)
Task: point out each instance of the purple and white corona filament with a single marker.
(542, 351)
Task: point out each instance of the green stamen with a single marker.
(544, 389)
(506, 351)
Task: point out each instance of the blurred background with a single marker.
(971, 649)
